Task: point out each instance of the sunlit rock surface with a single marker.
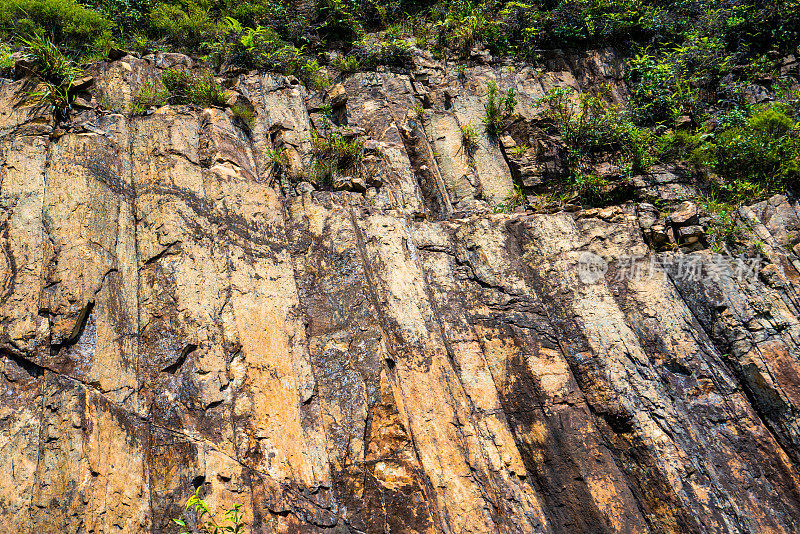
(399, 359)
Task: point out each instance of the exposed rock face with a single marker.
(398, 360)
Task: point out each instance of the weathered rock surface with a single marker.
(393, 360)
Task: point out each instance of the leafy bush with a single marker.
(67, 22)
(262, 48)
(131, 16)
(660, 92)
(55, 72)
(185, 88)
(461, 28)
(759, 157)
(395, 53)
(725, 229)
(590, 126)
(347, 64)
(497, 109)
(188, 22)
(337, 21)
(232, 517)
(591, 187)
(333, 151)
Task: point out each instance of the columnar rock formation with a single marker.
(395, 359)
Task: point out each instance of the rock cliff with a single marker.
(394, 357)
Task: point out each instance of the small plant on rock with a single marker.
(185, 88)
(516, 198)
(519, 150)
(232, 519)
(469, 139)
(497, 109)
(347, 64)
(149, 95)
(55, 72)
(335, 151)
(244, 115)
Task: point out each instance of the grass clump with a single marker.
(514, 199)
(334, 152)
(180, 87)
(55, 72)
(6, 57)
(469, 139)
(183, 87)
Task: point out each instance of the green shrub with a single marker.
(591, 187)
(130, 16)
(759, 157)
(497, 109)
(395, 53)
(681, 146)
(183, 87)
(187, 23)
(347, 64)
(55, 72)
(68, 23)
(725, 228)
(660, 94)
(232, 521)
(337, 21)
(591, 127)
(332, 152)
(262, 48)
(461, 29)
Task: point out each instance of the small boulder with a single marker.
(336, 96)
(82, 103)
(82, 83)
(22, 66)
(684, 122)
(685, 215)
(690, 234)
(359, 184)
(647, 215)
(343, 183)
(170, 60)
(305, 187)
(238, 100)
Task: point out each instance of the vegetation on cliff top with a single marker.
(690, 65)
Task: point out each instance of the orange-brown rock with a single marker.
(395, 360)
